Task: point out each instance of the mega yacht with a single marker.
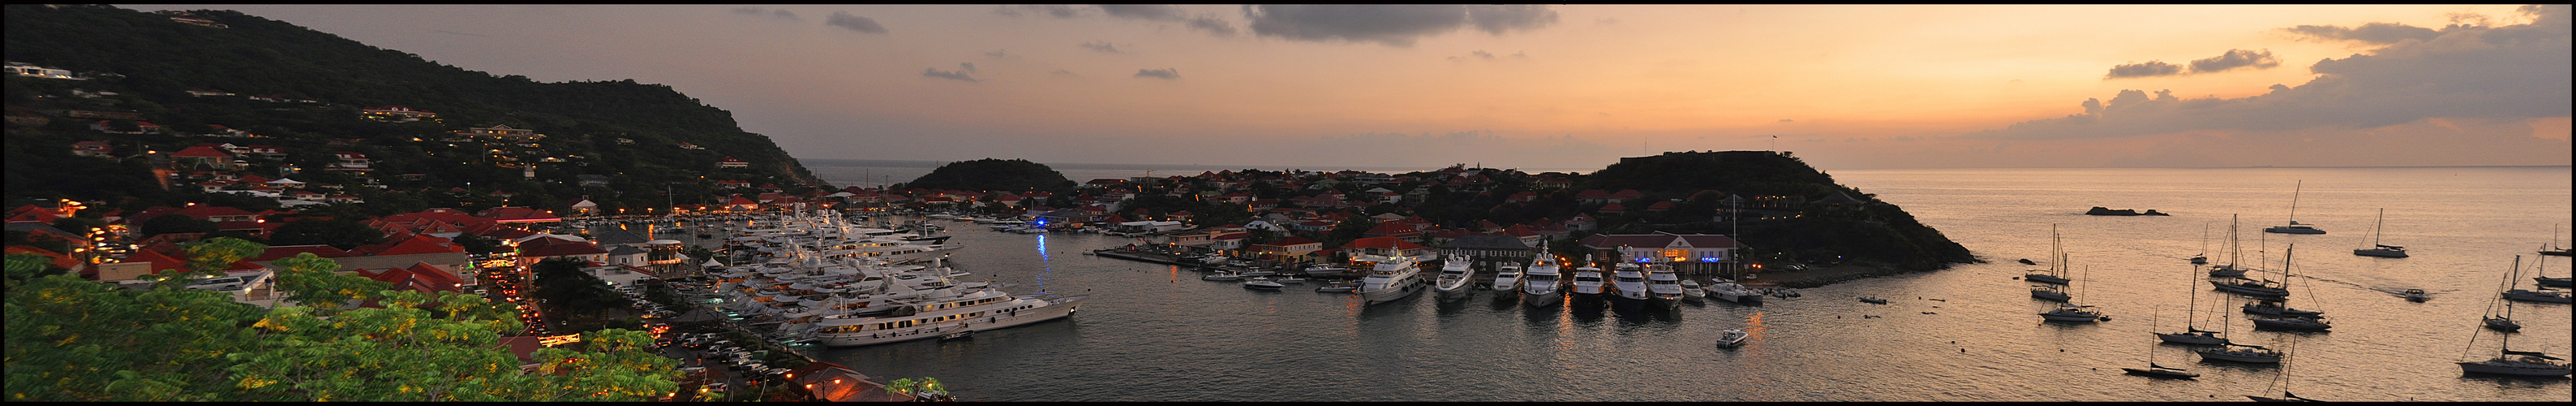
(1663, 287)
(1541, 286)
(1394, 277)
(1628, 281)
(1587, 281)
(1507, 278)
(1456, 278)
(954, 312)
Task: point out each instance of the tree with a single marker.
(171, 224)
(338, 233)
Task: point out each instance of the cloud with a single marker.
(2376, 33)
(779, 13)
(1481, 54)
(2233, 59)
(1391, 25)
(2230, 60)
(1000, 54)
(854, 23)
(2483, 74)
(962, 73)
(1102, 46)
(1788, 120)
(1212, 25)
(2140, 70)
(1164, 73)
(1156, 12)
(1051, 10)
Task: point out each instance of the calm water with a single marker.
(1151, 333)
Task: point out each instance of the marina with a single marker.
(1155, 332)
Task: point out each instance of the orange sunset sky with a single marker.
(1843, 86)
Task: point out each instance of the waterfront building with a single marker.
(1691, 252)
(1489, 250)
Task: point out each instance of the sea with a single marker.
(1968, 333)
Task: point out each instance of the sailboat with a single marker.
(2380, 250)
(2262, 288)
(2543, 269)
(2233, 251)
(2294, 227)
(2503, 322)
(2056, 273)
(2053, 293)
(2276, 306)
(2282, 380)
(2192, 334)
(2510, 362)
(2203, 256)
(2072, 312)
(2159, 371)
(2288, 318)
(2231, 351)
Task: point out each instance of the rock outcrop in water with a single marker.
(2101, 211)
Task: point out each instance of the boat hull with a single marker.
(2513, 368)
(2192, 338)
(2553, 282)
(2161, 373)
(2250, 290)
(1056, 309)
(2293, 230)
(2380, 253)
(2044, 278)
(1543, 299)
(2535, 296)
(2235, 356)
(1391, 293)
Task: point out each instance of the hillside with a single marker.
(1015, 175)
(1821, 229)
(270, 82)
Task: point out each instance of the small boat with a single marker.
(2417, 295)
(1292, 279)
(2026, 261)
(1873, 300)
(1221, 276)
(1733, 337)
(1323, 270)
(961, 335)
(1261, 283)
(1340, 287)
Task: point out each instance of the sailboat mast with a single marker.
(2191, 321)
(2232, 245)
(2294, 201)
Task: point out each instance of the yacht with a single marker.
(2071, 312)
(1629, 283)
(1338, 287)
(1507, 278)
(1540, 287)
(2252, 287)
(2536, 296)
(1733, 337)
(949, 311)
(2049, 293)
(2523, 363)
(2294, 227)
(1456, 278)
(2270, 307)
(1325, 270)
(2056, 272)
(1729, 291)
(2305, 323)
(2240, 353)
(1663, 287)
(1262, 283)
(1394, 277)
(2380, 250)
(1691, 291)
(1587, 281)
(2192, 334)
(1221, 276)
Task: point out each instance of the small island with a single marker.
(2101, 211)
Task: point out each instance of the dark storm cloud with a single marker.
(1212, 25)
(962, 73)
(2376, 33)
(1102, 46)
(2234, 59)
(1392, 25)
(2140, 70)
(1051, 10)
(2512, 72)
(1164, 73)
(854, 23)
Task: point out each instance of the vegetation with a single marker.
(337, 233)
(581, 301)
(76, 340)
(1014, 175)
(628, 131)
(1876, 231)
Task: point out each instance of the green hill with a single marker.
(629, 132)
(1811, 227)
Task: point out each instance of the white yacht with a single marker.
(963, 311)
(1507, 278)
(1540, 287)
(1456, 278)
(1262, 283)
(1729, 291)
(1629, 282)
(1692, 292)
(1733, 337)
(2071, 312)
(1663, 287)
(1587, 281)
(1394, 277)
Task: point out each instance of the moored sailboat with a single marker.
(2294, 227)
(2192, 334)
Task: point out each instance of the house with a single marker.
(1379, 247)
(730, 162)
(1612, 209)
(93, 149)
(539, 249)
(1486, 250)
(1288, 249)
(346, 161)
(584, 207)
(685, 145)
(1700, 252)
(395, 114)
(419, 277)
(501, 133)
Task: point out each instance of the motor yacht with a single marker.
(1628, 283)
(1691, 291)
(1394, 277)
(1507, 278)
(1729, 291)
(1663, 287)
(1455, 278)
(1262, 283)
(1733, 337)
(1587, 283)
(1541, 286)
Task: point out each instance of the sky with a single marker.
(1558, 86)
